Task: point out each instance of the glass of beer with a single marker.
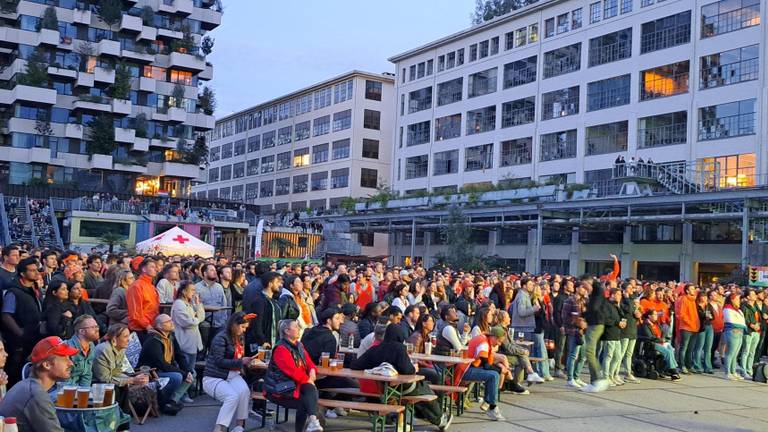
(97, 390)
(68, 400)
(260, 354)
(109, 394)
(325, 359)
(340, 359)
(82, 396)
(409, 348)
(334, 365)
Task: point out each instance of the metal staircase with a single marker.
(19, 222)
(336, 240)
(675, 177)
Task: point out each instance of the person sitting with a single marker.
(28, 401)
(651, 331)
(86, 333)
(161, 352)
(448, 336)
(349, 328)
(117, 308)
(290, 378)
(57, 310)
(410, 318)
(424, 328)
(518, 356)
(109, 364)
(222, 376)
(483, 369)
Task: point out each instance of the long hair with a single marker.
(121, 276)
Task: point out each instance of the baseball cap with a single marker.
(50, 346)
(328, 313)
(497, 332)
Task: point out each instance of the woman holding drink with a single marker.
(108, 365)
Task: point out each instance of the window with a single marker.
(518, 112)
(254, 143)
(283, 160)
(342, 120)
(610, 47)
(300, 183)
(282, 186)
(484, 49)
(369, 178)
(372, 119)
(728, 15)
(268, 139)
(662, 130)
(478, 157)
(416, 167)
(340, 149)
(606, 138)
(366, 239)
(226, 172)
(320, 153)
(266, 188)
(482, 83)
(321, 125)
(558, 145)
(251, 191)
(520, 72)
(340, 178)
(516, 152)
(373, 90)
(626, 6)
(448, 127)
(494, 45)
(226, 151)
(666, 32)
(521, 37)
(449, 91)
(181, 77)
(253, 167)
(303, 104)
(302, 130)
(323, 97)
(533, 33)
(430, 67)
(301, 157)
(730, 67)
(446, 162)
(284, 135)
(421, 70)
(342, 91)
(420, 100)
(285, 110)
(213, 175)
(267, 164)
(238, 170)
(412, 73)
(562, 23)
(473, 52)
(270, 115)
(608, 93)
(646, 3)
(450, 60)
(319, 181)
(576, 19)
(727, 120)
(549, 27)
(733, 171)
(560, 103)
(418, 133)
(610, 8)
(215, 154)
(459, 57)
(594, 13)
(237, 193)
(562, 60)
(662, 81)
(370, 148)
(481, 120)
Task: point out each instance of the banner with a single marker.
(257, 239)
(758, 276)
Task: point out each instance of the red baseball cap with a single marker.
(50, 346)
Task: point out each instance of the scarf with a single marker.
(167, 345)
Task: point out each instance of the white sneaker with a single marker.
(580, 382)
(630, 378)
(238, 429)
(598, 386)
(548, 378)
(533, 377)
(484, 406)
(618, 381)
(495, 414)
(341, 412)
(574, 384)
(313, 425)
(331, 414)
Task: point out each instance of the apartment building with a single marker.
(309, 149)
(118, 109)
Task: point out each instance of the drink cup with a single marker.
(82, 396)
(109, 394)
(409, 348)
(97, 391)
(325, 359)
(428, 348)
(260, 354)
(340, 359)
(454, 353)
(69, 396)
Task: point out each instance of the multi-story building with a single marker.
(309, 149)
(117, 110)
(555, 93)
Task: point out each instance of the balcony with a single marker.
(140, 56)
(108, 47)
(28, 94)
(147, 84)
(177, 115)
(104, 75)
(207, 74)
(166, 142)
(174, 169)
(92, 104)
(210, 19)
(168, 33)
(130, 166)
(121, 106)
(147, 33)
(186, 61)
(202, 121)
(85, 79)
(183, 7)
(131, 23)
(73, 130)
(140, 144)
(62, 72)
(48, 37)
(125, 135)
(80, 16)
(99, 161)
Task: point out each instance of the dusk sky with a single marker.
(265, 49)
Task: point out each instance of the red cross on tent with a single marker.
(181, 239)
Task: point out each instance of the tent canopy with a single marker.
(175, 241)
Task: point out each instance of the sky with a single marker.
(265, 49)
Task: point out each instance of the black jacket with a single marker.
(318, 340)
(628, 309)
(261, 328)
(152, 356)
(611, 318)
(557, 309)
(365, 327)
(56, 324)
(27, 316)
(596, 305)
(288, 306)
(221, 357)
(392, 351)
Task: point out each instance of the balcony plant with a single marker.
(206, 45)
(50, 21)
(185, 44)
(140, 125)
(121, 88)
(207, 101)
(110, 11)
(101, 135)
(148, 16)
(37, 70)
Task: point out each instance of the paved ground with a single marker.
(697, 403)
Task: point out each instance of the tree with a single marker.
(121, 89)
(486, 10)
(207, 101)
(43, 126)
(186, 43)
(282, 245)
(111, 239)
(206, 45)
(101, 135)
(177, 96)
(140, 125)
(110, 11)
(37, 70)
(199, 152)
(9, 6)
(460, 251)
(50, 21)
(148, 16)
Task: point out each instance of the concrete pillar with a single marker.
(745, 236)
(628, 269)
(530, 252)
(686, 253)
(427, 249)
(573, 255)
(492, 240)
(413, 242)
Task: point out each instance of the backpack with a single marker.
(760, 372)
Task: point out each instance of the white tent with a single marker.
(175, 241)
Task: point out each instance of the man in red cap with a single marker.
(28, 400)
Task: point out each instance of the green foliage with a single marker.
(110, 11)
(460, 251)
(37, 181)
(348, 204)
(50, 21)
(177, 96)
(121, 89)
(37, 70)
(185, 44)
(281, 244)
(43, 127)
(111, 239)
(148, 16)
(195, 153)
(140, 124)
(206, 45)
(477, 188)
(9, 6)
(383, 195)
(101, 135)
(486, 10)
(207, 101)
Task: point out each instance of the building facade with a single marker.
(104, 100)
(309, 149)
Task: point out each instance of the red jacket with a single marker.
(718, 322)
(143, 303)
(297, 372)
(364, 295)
(687, 314)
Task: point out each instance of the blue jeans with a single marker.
(612, 356)
(685, 349)
(576, 357)
(748, 351)
(733, 340)
(628, 350)
(175, 388)
(540, 350)
(668, 352)
(491, 380)
(702, 349)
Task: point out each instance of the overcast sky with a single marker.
(266, 48)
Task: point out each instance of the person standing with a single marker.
(187, 313)
(574, 326)
(631, 313)
(212, 294)
(595, 316)
(687, 317)
(752, 319)
(523, 310)
(117, 307)
(262, 331)
(702, 349)
(93, 276)
(142, 299)
(733, 333)
(11, 256)
(167, 286)
(614, 323)
(21, 316)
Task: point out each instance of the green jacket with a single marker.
(82, 370)
(108, 365)
(750, 317)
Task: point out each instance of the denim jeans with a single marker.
(576, 357)
(611, 358)
(702, 349)
(733, 340)
(685, 349)
(491, 380)
(560, 350)
(540, 350)
(628, 350)
(176, 387)
(748, 351)
(668, 352)
(594, 332)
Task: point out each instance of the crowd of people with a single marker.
(109, 319)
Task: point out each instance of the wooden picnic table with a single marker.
(348, 350)
(443, 359)
(447, 372)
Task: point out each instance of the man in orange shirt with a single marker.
(142, 299)
(483, 369)
(687, 317)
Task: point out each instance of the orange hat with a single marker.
(71, 269)
(50, 346)
(136, 262)
(70, 258)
